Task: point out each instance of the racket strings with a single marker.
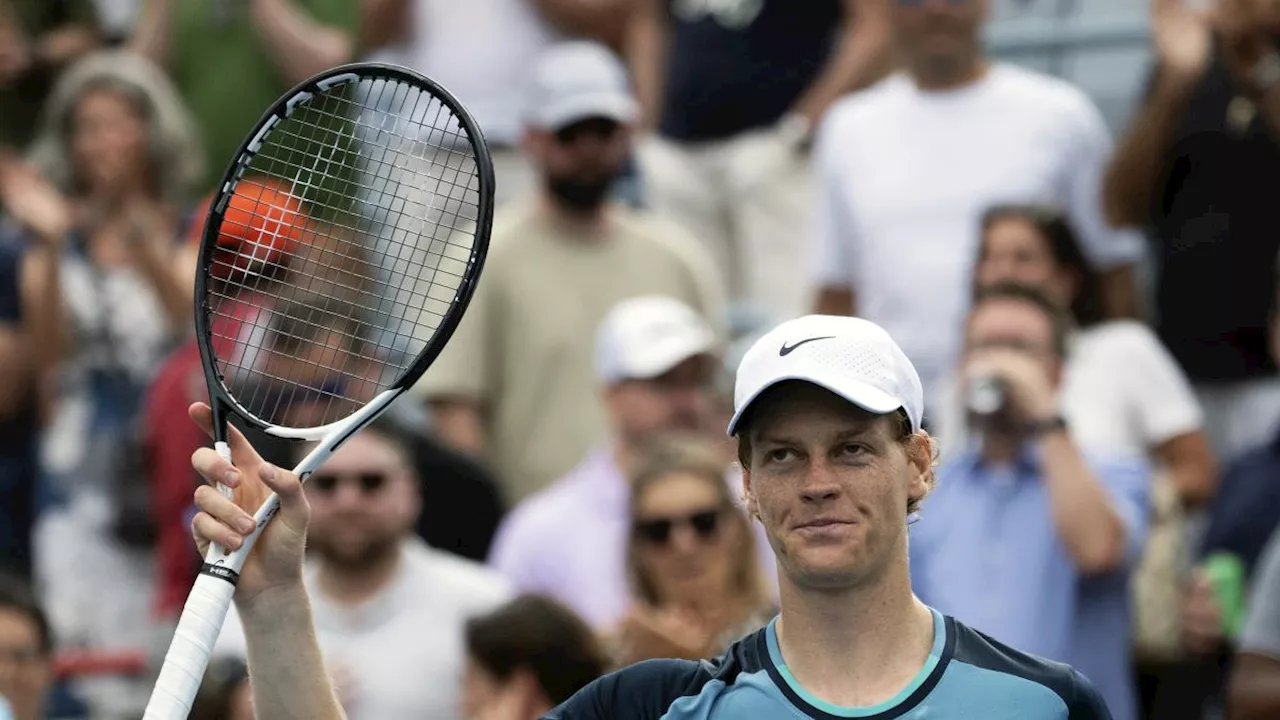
(306, 186)
(357, 217)
(276, 266)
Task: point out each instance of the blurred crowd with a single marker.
(556, 497)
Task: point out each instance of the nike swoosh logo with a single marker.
(788, 349)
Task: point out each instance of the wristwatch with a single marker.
(1044, 427)
(1265, 73)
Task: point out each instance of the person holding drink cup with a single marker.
(1028, 537)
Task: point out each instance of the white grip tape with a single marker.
(224, 452)
(192, 646)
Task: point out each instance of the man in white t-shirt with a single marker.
(907, 167)
(390, 611)
(515, 384)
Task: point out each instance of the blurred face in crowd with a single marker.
(1014, 250)
(310, 362)
(327, 364)
(1010, 324)
(364, 499)
(109, 142)
(679, 399)
(580, 162)
(831, 484)
(687, 538)
(940, 39)
(26, 671)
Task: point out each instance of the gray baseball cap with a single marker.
(578, 80)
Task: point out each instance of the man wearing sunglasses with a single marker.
(827, 417)
(515, 383)
(389, 609)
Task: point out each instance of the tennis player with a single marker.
(827, 416)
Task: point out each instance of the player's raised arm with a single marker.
(286, 670)
(318, 308)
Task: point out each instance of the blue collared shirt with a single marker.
(986, 551)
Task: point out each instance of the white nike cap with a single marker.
(853, 358)
(644, 337)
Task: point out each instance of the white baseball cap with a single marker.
(644, 337)
(853, 358)
(577, 80)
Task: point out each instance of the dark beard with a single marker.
(354, 560)
(580, 195)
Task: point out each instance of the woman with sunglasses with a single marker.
(695, 578)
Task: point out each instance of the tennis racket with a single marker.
(338, 256)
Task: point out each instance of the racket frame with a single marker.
(220, 397)
(213, 591)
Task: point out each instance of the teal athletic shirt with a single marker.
(968, 675)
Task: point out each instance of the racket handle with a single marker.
(192, 646)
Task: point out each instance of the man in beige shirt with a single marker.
(516, 383)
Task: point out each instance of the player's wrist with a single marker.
(269, 602)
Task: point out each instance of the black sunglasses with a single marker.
(602, 128)
(657, 531)
(327, 483)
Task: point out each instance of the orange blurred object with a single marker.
(262, 212)
(263, 223)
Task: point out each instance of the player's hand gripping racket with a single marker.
(339, 254)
